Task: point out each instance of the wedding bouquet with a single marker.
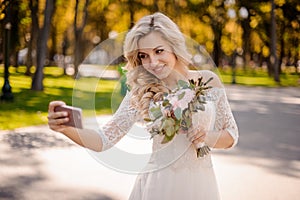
(174, 111)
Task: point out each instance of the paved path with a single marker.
(37, 163)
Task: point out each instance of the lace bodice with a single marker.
(217, 116)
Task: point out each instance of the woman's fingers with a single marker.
(199, 139)
(57, 124)
(56, 115)
(56, 119)
(53, 104)
(192, 132)
(196, 135)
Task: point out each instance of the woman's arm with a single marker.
(219, 139)
(225, 133)
(84, 137)
(97, 140)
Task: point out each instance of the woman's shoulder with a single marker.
(207, 74)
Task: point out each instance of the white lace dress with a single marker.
(175, 172)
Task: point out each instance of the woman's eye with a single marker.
(142, 56)
(158, 51)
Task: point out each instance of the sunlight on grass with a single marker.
(20, 118)
(30, 107)
(53, 70)
(259, 77)
(95, 96)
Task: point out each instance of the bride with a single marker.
(157, 59)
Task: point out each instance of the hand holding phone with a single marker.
(74, 114)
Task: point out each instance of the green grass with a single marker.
(30, 107)
(94, 96)
(259, 77)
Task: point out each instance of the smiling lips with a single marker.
(158, 69)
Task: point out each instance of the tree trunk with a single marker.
(43, 34)
(33, 4)
(78, 51)
(273, 57)
(29, 57)
(296, 57)
(131, 13)
(53, 48)
(282, 47)
(217, 45)
(53, 28)
(246, 42)
(65, 46)
(15, 39)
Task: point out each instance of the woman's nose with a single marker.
(153, 60)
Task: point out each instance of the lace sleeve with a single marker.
(224, 117)
(119, 125)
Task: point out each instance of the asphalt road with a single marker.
(37, 163)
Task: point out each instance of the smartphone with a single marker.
(74, 114)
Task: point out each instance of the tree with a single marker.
(274, 57)
(6, 89)
(290, 37)
(79, 24)
(217, 15)
(12, 7)
(42, 38)
(15, 39)
(33, 5)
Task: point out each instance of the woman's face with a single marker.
(156, 55)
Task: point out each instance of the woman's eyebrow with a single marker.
(141, 50)
(160, 46)
(155, 48)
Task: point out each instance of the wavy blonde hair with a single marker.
(144, 85)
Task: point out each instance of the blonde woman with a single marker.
(157, 58)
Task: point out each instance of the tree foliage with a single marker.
(78, 25)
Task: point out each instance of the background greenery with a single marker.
(261, 33)
(30, 107)
(263, 46)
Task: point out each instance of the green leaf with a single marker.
(183, 84)
(167, 139)
(165, 94)
(186, 113)
(165, 103)
(210, 79)
(178, 113)
(181, 95)
(156, 112)
(147, 120)
(188, 122)
(177, 127)
(168, 126)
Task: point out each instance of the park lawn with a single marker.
(259, 77)
(286, 81)
(30, 107)
(96, 97)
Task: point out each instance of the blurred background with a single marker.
(246, 34)
(44, 42)
(49, 48)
